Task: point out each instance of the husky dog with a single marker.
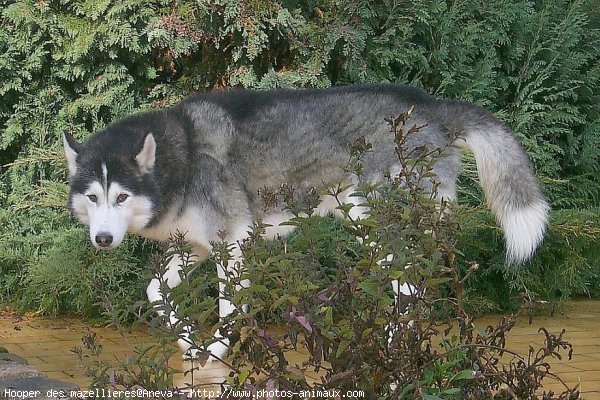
(197, 167)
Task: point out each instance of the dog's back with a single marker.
(302, 137)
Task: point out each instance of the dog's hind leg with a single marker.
(359, 211)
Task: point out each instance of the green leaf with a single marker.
(430, 397)
(435, 282)
(370, 286)
(342, 347)
(243, 376)
(464, 374)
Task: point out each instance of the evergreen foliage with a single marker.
(75, 66)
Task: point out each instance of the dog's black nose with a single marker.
(104, 239)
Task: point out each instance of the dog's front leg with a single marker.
(158, 297)
(227, 270)
(172, 279)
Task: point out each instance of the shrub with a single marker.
(70, 276)
(564, 267)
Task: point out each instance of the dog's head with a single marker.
(110, 184)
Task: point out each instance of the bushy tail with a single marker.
(511, 189)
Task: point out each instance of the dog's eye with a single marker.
(122, 197)
(92, 198)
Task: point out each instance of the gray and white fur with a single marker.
(197, 167)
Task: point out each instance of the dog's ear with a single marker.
(146, 157)
(72, 148)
